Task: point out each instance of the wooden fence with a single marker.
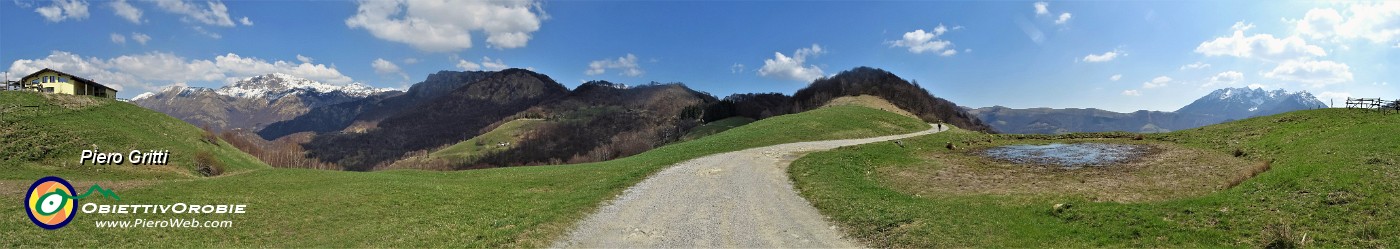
(1377, 104)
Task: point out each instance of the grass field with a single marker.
(468, 150)
(1332, 183)
(504, 207)
(509, 133)
(43, 135)
(716, 127)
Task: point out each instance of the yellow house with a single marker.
(53, 81)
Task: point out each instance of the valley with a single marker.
(503, 207)
(1200, 186)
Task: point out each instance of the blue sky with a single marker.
(1120, 56)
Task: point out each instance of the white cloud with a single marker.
(1259, 45)
(126, 11)
(210, 34)
(1042, 8)
(237, 66)
(245, 21)
(144, 70)
(486, 63)
(1064, 17)
(468, 66)
(90, 68)
(627, 63)
(1312, 72)
(494, 65)
(62, 10)
(1375, 22)
(164, 67)
(1334, 95)
(1225, 78)
(140, 38)
(1197, 65)
(736, 68)
(410, 61)
(1115, 77)
(1104, 57)
(443, 26)
(949, 52)
(213, 13)
(304, 59)
(118, 39)
(1160, 81)
(1319, 23)
(382, 66)
(793, 68)
(920, 41)
(1132, 93)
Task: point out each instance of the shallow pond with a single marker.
(1071, 156)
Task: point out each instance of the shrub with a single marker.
(206, 165)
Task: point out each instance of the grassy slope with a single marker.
(48, 139)
(716, 127)
(1334, 178)
(508, 132)
(504, 207)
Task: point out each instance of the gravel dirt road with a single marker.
(735, 199)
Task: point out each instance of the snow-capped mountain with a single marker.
(1240, 103)
(143, 96)
(276, 85)
(1218, 106)
(253, 102)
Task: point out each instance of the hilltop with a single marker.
(360, 115)
(456, 116)
(886, 85)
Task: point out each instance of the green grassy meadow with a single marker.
(43, 135)
(1332, 183)
(502, 207)
(716, 126)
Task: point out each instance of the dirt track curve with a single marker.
(735, 199)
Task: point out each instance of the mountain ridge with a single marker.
(1219, 106)
(252, 102)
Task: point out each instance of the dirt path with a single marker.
(734, 199)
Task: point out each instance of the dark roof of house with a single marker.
(75, 77)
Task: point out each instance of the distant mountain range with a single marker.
(252, 103)
(361, 128)
(1219, 106)
(363, 114)
(1240, 103)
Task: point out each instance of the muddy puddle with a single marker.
(1068, 156)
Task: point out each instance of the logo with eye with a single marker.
(50, 203)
